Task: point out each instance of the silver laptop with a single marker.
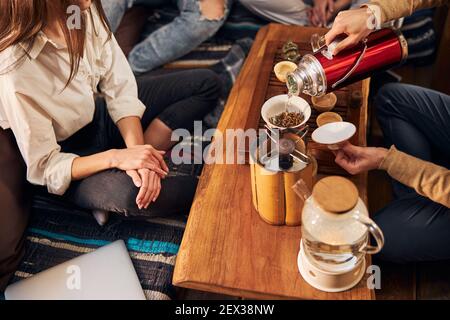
(104, 274)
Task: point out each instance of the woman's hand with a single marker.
(140, 157)
(149, 184)
(321, 11)
(357, 24)
(359, 159)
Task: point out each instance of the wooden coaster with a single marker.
(336, 194)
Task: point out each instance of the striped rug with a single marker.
(56, 235)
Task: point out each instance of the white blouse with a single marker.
(41, 113)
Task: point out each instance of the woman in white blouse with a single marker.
(74, 106)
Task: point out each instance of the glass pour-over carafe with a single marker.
(336, 226)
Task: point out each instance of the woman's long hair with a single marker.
(22, 20)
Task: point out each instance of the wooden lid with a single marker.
(335, 194)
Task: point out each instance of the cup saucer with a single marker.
(333, 134)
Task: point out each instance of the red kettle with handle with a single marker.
(321, 72)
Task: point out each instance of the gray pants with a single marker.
(293, 12)
(284, 11)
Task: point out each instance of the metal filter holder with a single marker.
(293, 152)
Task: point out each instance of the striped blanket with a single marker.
(55, 236)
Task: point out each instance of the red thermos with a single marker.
(321, 73)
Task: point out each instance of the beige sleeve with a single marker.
(395, 9)
(118, 85)
(35, 136)
(426, 178)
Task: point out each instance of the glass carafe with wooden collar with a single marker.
(336, 226)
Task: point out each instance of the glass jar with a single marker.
(337, 240)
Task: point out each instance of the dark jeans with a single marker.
(417, 122)
(178, 99)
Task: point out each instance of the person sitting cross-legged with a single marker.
(87, 130)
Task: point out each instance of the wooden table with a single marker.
(226, 247)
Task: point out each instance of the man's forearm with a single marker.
(426, 178)
(131, 131)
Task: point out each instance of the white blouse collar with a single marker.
(38, 45)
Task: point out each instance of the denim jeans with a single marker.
(172, 41)
(417, 121)
(178, 99)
